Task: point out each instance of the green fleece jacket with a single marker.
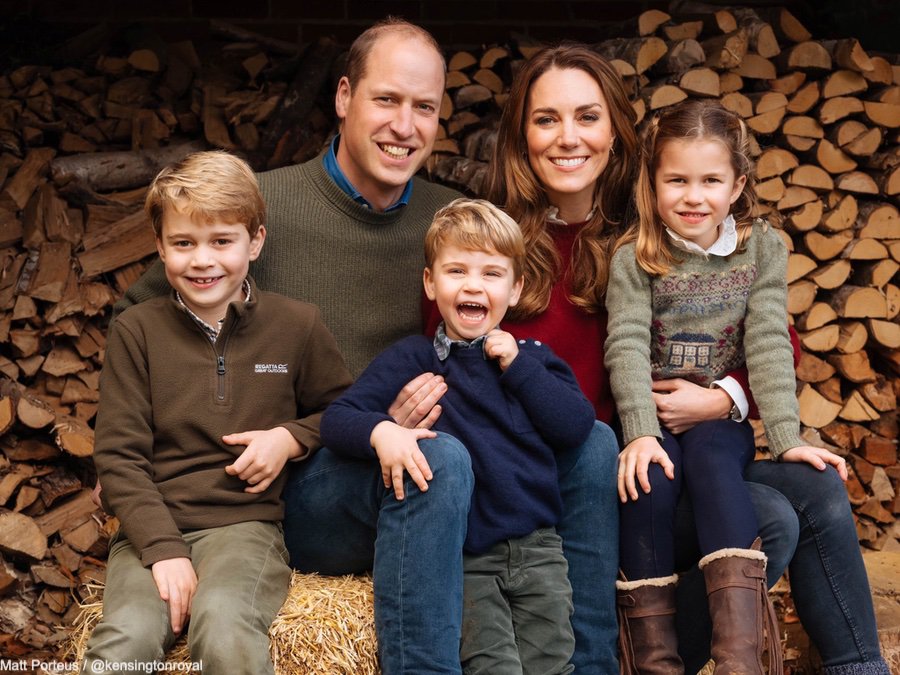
(168, 395)
(362, 268)
(706, 317)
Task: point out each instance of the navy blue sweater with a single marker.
(510, 422)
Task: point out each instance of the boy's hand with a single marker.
(502, 346)
(398, 451)
(416, 406)
(176, 582)
(820, 458)
(264, 457)
(635, 460)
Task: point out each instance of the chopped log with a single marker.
(650, 20)
(20, 536)
(493, 56)
(771, 190)
(842, 214)
(801, 295)
(127, 241)
(813, 369)
(26, 179)
(724, 52)
(843, 83)
(807, 217)
(788, 84)
(856, 409)
(852, 338)
(848, 53)
(462, 60)
(811, 176)
(700, 82)
(815, 410)
(794, 196)
(471, 95)
(738, 103)
(119, 170)
(755, 67)
(75, 437)
(859, 302)
(884, 333)
(73, 511)
(816, 316)
(857, 182)
(489, 79)
(831, 389)
(880, 394)
(799, 266)
(826, 247)
(833, 159)
(879, 451)
(775, 162)
(803, 126)
(662, 96)
(642, 52)
(883, 114)
(683, 31)
(822, 339)
(34, 413)
(832, 275)
(854, 367)
(806, 56)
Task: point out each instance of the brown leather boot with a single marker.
(742, 615)
(648, 644)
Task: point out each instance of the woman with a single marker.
(563, 168)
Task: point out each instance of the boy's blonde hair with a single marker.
(475, 225)
(207, 186)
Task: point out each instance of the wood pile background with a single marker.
(80, 141)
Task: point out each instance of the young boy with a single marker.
(206, 394)
(511, 404)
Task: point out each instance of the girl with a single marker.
(698, 289)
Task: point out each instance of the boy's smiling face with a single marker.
(207, 262)
(472, 289)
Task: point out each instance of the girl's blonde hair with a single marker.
(475, 225)
(512, 183)
(207, 186)
(691, 120)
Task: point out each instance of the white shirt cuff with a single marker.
(733, 388)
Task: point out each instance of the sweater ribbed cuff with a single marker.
(783, 437)
(637, 424)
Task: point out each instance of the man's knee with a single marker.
(594, 460)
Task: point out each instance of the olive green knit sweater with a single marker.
(362, 268)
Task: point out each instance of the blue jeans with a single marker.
(340, 519)
(805, 523)
(590, 531)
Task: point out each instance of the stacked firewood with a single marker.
(79, 143)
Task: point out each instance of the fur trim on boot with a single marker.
(648, 644)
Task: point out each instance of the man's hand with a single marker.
(635, 460)
(264, 457)
(820, 458)
(681, 404)
(502, 346)
(398, 451)
(416, 406)
(176, 582)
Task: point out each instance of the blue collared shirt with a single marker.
(338, 176)
(443, 343)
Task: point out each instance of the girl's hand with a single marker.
(635, 460)
(681, 405)
(820, 458)
(398, 451)
(264, 457)
(502, 346)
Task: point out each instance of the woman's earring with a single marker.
(612, 148)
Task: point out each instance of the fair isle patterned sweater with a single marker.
(707, 316)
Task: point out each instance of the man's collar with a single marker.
(724, 245)
(443, 343)
(333, 169)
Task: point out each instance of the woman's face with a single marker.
(569, 133)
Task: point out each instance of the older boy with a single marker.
(206, 394)
(511, 404)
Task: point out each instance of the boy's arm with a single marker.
(123, 452)
(548, 391)
(348, 422)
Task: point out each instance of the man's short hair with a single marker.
(362, 46)
(475, 225)
(207, 186)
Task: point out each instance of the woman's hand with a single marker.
(416, 406)
(681, 404)
(635, 460)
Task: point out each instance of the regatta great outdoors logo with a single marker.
(270, 368)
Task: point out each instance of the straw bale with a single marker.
(325, 627)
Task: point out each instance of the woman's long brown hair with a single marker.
(512, 184)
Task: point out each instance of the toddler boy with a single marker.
(511, 404)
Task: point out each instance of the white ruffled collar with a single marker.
(724, 245)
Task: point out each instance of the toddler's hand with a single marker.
(635, 460)
(176, 582)
(264, 457)
(502, 346)
(820, 458)
(398, 451)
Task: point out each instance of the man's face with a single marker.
(390, 118)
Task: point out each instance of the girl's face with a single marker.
(695, 188)
(569, 134)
